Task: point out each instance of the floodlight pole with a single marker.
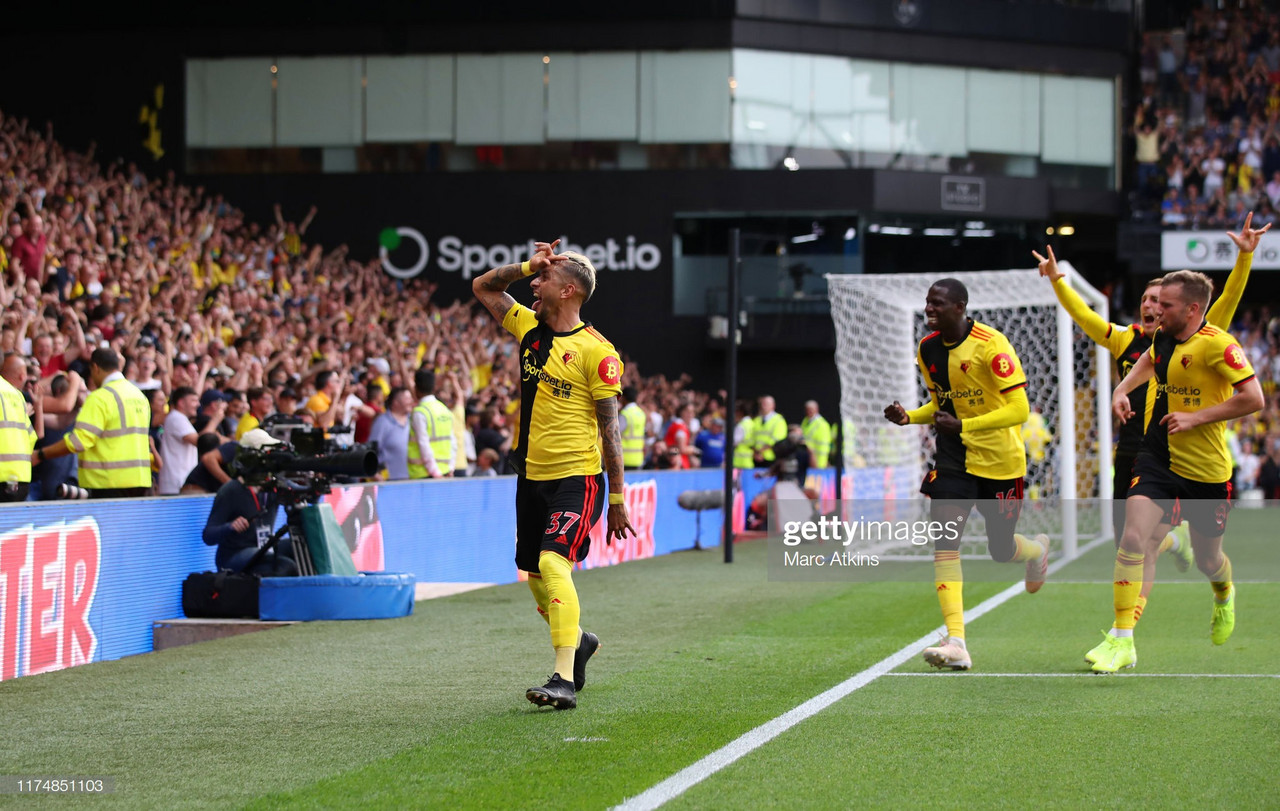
(731, 376)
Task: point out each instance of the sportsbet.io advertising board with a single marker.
(406, 252)
(1213, 250)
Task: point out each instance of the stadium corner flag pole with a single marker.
(731, 390)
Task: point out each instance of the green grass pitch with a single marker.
(429, 711)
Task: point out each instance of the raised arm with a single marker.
(490, 287)
(1224, 309)
(1093, 324)
(77, 348)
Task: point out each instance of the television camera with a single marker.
(299, 473)
(303, 468)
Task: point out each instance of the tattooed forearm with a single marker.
(498, 278)
(490, 288)
(611, 437)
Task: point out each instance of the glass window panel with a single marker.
(831, 126)
(229, 101)
(319, 101)
(871, 125)
(479, 85)
(592, 97)
(409, 98)
(684, 96)
(771, 100)
(1079, 121)
(1095, 116)
(1003, 112)
(1058, 134)
(928, 110)
(500, 99)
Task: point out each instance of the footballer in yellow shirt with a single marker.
(570, 376)
(977, 403)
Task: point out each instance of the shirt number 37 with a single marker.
(557, 526)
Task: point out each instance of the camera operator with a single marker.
(242, 519)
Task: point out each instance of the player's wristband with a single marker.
(525, 268)
(615, 498)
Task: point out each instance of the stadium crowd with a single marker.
(1206, 128)
(1207, 149)
(224, 322)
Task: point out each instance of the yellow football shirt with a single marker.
(1200, 372)
(562, 375)
(968, 379)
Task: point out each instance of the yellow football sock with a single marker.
(1168, 543)
(949, 583)
(1127, 586)
(539, 590)
(564, 662)
(1139, 608)
(1221, 580)
(563, 609)
(1025, 549)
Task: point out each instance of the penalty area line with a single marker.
(690, 776)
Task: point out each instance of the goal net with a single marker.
(879, 322)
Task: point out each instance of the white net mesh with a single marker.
(879, 321)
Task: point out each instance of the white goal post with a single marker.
(879, 321)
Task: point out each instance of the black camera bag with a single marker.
(222, 595)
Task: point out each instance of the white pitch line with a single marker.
(972, 675)
(688, 777)
(1201, 582)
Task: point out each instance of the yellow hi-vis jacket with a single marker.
(438, 420)
(633, 422)
(817, 436)
(17, 437)
(110, 436)
(743, 458)
(768, 432)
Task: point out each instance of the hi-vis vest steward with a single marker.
(768, 432)
(633, 422)
(742, 453)
(817, 436)
(439, 436)
(110, 436)
(17, 437)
